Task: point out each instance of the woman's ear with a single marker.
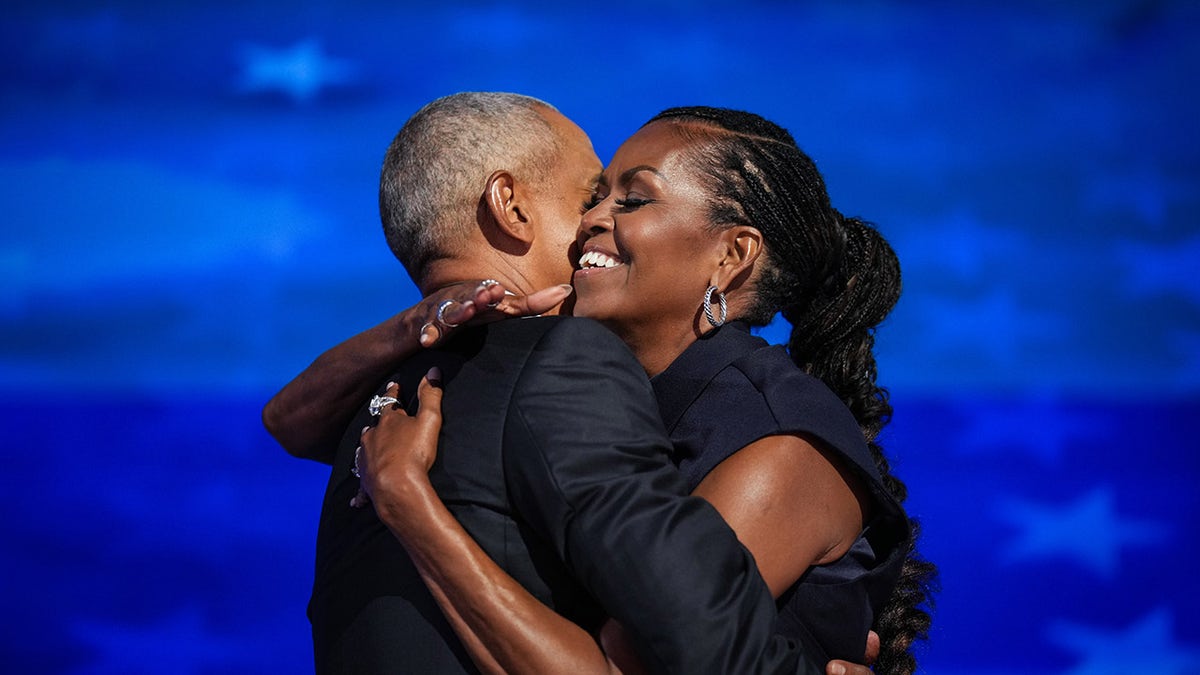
(741, 246)
(505, 200)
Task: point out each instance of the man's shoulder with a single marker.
(562, 333)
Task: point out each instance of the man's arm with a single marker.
(588, 470)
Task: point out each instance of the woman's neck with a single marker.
(656, 346)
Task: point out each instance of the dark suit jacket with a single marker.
(555, 460)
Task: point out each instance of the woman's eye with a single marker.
(631, 203)
(591, 203)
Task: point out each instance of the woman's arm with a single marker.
(308, 416)
(504, 628)
(789, 503)
(793, 507)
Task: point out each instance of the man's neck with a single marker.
(454, 272)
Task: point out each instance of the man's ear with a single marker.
(740, 248)
(507, 204)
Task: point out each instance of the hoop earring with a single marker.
(708, 313)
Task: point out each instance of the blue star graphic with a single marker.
(300, 72)
(1145, 647)
(1088, 531)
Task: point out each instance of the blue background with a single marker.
(189, 197)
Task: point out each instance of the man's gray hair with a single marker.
(436, 168)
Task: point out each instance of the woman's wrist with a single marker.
(403, 498)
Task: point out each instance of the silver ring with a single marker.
(354, 469)
(441, 318)
(377, 403)
(488, 283)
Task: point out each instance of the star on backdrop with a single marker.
(300, 72)
(1088, 531)
(190, 193)
(1146, 646)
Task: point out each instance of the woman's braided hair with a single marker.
(834, 279)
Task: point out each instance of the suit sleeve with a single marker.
(587, 467)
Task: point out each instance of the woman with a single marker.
(719, 204)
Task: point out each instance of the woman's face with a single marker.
(647, 253)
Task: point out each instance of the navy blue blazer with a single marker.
(554, 458)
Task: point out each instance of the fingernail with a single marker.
(836, 669)
(390, 385)
(364, 430)
(434, 375)
(427, 337)
(567, 287)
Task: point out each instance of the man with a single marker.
(491, 185)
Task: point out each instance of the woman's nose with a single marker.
(595, 220)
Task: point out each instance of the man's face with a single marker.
(563, 199)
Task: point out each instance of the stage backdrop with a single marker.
(189, 197)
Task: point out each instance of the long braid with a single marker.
(835, 342)
(834, 279)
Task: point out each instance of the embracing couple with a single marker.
(642, 486)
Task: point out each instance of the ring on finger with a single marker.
(441, 314)
(375, 407)
(488, 283)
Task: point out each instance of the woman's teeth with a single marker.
(597, 259)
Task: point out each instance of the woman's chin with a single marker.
(590, 306)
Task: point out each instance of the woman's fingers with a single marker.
(487, 301)
(400, 442)
(538, 302)
(488, 294)
(429, 396)
(454, 306)
(366, 435)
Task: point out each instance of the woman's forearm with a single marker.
(309, 415)
(503, 627)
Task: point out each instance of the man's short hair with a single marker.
(435, 170)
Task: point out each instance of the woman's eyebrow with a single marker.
(628, 174)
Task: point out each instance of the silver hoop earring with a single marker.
(708, 313)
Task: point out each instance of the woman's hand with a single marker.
(444, 310)
(400, 449)
(847, 668)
